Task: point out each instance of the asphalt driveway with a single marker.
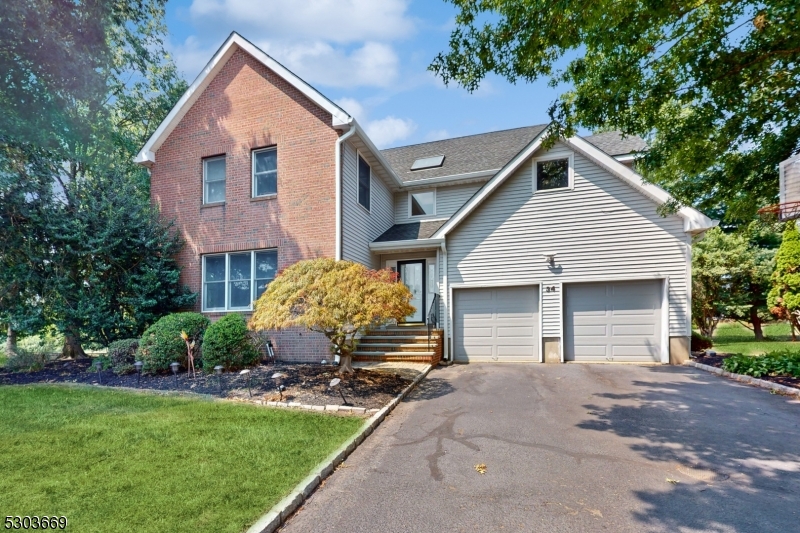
(571, 448)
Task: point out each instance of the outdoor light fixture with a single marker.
(138, 366)
(174, 367)
(550, 257)
(335, 385)
(247, 373)
(218, 372)
(270, 351)
(99, 365)
(277, 376)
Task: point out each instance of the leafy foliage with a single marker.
(700, 342)
(161, 343)
(783, 363)
(339, 299)
(122, 354)
(784, 297)
(712, 85)
(227, 342)
(730, 276)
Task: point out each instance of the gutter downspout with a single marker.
(339, 141)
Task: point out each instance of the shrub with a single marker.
(782, 363)
(27, 360)
(700, 342)
(161, 343)
(227, 342)
(122, 354)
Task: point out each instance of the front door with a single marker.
(412, 273)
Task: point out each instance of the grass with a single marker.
(114, 461)
(732, 337)
(3, 360)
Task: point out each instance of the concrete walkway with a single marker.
(571, 448)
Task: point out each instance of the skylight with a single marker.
(428, 162)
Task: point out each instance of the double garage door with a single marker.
(619, 321)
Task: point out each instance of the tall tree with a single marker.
(784, 298)
(83, 85)
(714, 86)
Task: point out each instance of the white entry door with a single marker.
(412, 274)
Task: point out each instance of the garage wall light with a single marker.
(550, 257)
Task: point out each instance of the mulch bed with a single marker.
(304, 383)
(716, 360)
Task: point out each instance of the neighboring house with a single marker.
(789, 206)
(529, 253)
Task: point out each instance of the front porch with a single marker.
(403, 343)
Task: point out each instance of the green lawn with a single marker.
(113, 461)
(732, 337)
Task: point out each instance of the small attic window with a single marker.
(428, 162)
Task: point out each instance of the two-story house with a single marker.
(526, 252)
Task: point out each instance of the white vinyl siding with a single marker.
(551, 309)
(359, 226)
(448, 201)
(602, 230)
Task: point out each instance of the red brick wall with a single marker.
(248, 106)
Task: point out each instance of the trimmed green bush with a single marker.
(700, 342)
(161, 343)
(123, 354)
(783, 363)
(227, 342)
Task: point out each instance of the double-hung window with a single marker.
(364, 175)
(265, 172)
(231, 282)
(214, 180)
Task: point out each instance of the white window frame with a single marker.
(227, 308)
(225, 181)
(253, 172)
(358, 183)
(570, 171)
(426, 215)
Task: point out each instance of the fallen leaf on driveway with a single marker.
(673, 481)
(480, 468)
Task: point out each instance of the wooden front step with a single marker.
(400, 344)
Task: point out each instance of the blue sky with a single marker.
(370, 57)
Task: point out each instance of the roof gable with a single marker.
(146, 156)
(694, 221)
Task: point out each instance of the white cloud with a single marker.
(388, 130)
(383, 132)
(339, 21)
(437, 135)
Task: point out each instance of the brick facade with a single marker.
(247, 106)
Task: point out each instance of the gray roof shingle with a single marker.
(473, 153)
(412, 231)
(612, 143)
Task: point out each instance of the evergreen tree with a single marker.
(784, 298)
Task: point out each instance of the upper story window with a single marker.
(552, 173)
(265, 172)
(233, 281)
(422, 203)
(364, 182)
(214, 179)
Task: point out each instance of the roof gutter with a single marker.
(378, 155)
(339, 141)
(410, 244)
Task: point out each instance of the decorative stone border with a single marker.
(764, 384)
(328, 408)
(281, 511)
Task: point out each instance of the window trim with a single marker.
(420, 217)
(358, 182)
(227, 281)
(253, 153)
(205, 160)
(570, 157)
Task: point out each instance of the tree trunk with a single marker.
(756, 321)
(72, 347)
(345, 364)
(11, 342)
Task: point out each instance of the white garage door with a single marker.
(496, 324)
(618, 321)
